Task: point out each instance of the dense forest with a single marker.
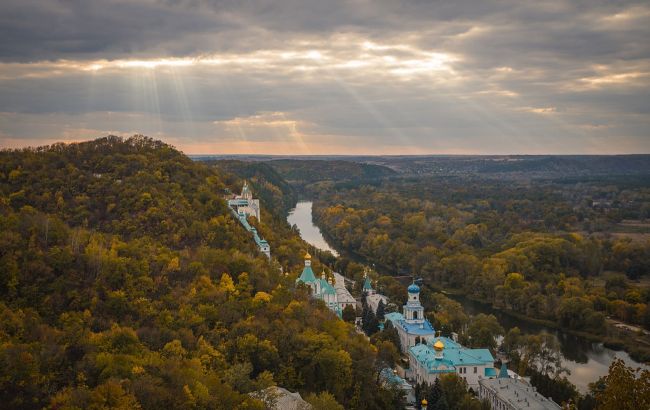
(516, 166)
(548, 250)
(125, 283)
(304, 172)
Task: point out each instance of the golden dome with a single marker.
(424, 402)
(438, 345)
(307, 256)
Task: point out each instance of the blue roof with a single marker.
(490, 372)
(449, 343)
(392, 378)
(307, 275)
(453, 355)
(413, 288)
(366, 284)
(241, 216)
(394, 317)
(415, 329)
(503, 373)
(244, 222)
(412, 328)
(326, 288)
(425, 355)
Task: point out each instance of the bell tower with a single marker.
(413, 310)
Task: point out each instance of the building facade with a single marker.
(343, 296)
(372, 297)
(412, 327)
(442, 355)
(321, 288)
(505, 393)
(242, 206)
(245, 203)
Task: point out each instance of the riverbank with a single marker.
(639, 350)
(585, 355)
(641, 355)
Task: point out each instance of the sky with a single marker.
(330, 76)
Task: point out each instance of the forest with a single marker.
(542, 249)
(125, 283)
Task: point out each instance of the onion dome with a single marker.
(439, 346)
(307, 256)
(424, 402)
(413, 288)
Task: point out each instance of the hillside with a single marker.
(125, 283)
(267, 183)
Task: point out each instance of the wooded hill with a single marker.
(125, 283)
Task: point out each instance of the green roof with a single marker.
(307, 275)
(366, 284)
(503, 373)
(327, 288)
(454, 355)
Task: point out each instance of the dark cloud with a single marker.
(51, 29)
(424, 73)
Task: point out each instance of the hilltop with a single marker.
(126, 283)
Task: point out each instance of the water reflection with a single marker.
(585, 360)
(301, 217)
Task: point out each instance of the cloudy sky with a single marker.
(329, 76)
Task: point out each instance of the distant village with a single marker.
(428, 354)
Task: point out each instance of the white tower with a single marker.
(246, 192)
(413, 310)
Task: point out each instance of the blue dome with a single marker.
(414, 288)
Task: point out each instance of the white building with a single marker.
(245, 203)
(243, 206)
(505, 393)
(443, 356)
(412, 327)
(390, 378)
(344, 298)
(372, 297)
(321, 288)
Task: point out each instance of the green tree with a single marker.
(483, 331)
(624, 388)
(323, 401)
(380, 310)
(349, 314)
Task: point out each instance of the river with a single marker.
(586, 361)
(301, 217)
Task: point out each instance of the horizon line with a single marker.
(418, 155)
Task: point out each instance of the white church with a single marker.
(244, 205)
(411, 325)
(431, 356)
(332, 291)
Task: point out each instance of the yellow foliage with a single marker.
(262, 297)
(226, 283)
(174, 265)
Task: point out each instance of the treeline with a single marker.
(126, 284)
(305, 172)
(520, 247)
(449, 392)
